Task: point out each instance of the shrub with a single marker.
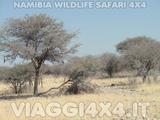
(109, 63)
(78, 84)
(18, 77)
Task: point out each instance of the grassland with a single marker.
(108, 90)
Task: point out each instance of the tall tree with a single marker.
(142, 54)
(36, 38)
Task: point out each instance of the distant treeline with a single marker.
(139, 55)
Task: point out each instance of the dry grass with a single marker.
(142, 93)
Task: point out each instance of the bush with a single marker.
(109, 64)
(88, 64)
(78, 84)
(18, 77)
(3, 72)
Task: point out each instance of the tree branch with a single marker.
(42, 93)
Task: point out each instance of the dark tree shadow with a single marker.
(12, 97)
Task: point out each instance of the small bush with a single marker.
(18, 77)
(78, 84)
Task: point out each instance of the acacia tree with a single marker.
(37, 39)
(18, 76)
(142, 54)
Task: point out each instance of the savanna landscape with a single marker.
(43, 76)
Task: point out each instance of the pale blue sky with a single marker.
(100, 30)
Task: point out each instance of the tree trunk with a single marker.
(110, 73)
(145, 75)
(36, 81)
(144, 78)
(15, 90)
